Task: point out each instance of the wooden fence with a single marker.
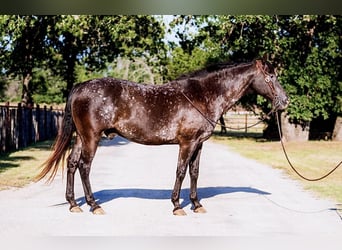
(241, 122)
(21, 126)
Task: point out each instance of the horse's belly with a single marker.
(148, 136)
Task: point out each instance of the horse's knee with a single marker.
(72, 166)
(181, 173)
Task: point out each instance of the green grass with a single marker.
(19, 168)
(312, 159)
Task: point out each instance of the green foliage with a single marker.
(64, 43)
(57, 51)
(24, 47)
(47, 87)
(182, 62)
(3, 87)
(305, 49)
(311, 59)
(136, 69)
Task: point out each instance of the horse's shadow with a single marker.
(107, 195)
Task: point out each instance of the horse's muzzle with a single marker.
(281, 102)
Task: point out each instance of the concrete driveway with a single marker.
(133, 184)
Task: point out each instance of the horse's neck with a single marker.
(229, 87)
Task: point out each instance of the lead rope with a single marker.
(291, 165)
(214, 123)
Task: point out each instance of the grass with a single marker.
(312, 159)
(19, 168)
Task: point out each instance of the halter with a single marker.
(269, 83)
(268, 78)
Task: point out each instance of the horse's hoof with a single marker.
(99, 211)
(179, 212)
(76, 209)
(200, 210)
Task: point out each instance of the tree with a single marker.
(311, 58)
(23, 41)
(305, 49)
(95, 41)
(61, 44)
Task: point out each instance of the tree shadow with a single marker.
(104, 196)
(8, 162)
(43, 145)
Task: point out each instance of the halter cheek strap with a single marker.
(268, 79)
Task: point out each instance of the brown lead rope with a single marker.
(294, 169)
(214, 123)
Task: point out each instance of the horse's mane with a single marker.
(212, 68)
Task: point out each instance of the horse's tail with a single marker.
(60, 147)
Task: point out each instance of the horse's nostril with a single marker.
(287, 101)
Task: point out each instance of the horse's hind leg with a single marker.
(90, 143)
(194, 172)
(73, 161)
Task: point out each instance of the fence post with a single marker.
(14, 128)
(8, 127)
(51, 122)
(31, 134)
(45, 123)
(20, 126)
(246, 121)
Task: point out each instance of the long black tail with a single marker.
(60, 147)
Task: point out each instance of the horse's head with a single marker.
(266, 84)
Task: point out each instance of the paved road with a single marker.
(133, 184)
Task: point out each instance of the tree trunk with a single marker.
(337, 133)
(26, 97)
(292, 131)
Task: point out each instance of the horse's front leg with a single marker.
(194, 172)
(185, 153)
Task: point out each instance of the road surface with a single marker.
(133, 184)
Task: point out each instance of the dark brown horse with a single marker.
(179, 112)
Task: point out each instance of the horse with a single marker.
(183, 111)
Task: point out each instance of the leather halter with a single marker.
(268, 78)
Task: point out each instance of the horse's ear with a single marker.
(265, 57)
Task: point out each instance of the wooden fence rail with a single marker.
(241, 121)
(21, 126)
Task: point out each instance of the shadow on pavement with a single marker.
(116, 141)
(107, 195)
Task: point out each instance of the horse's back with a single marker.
(143, 113)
